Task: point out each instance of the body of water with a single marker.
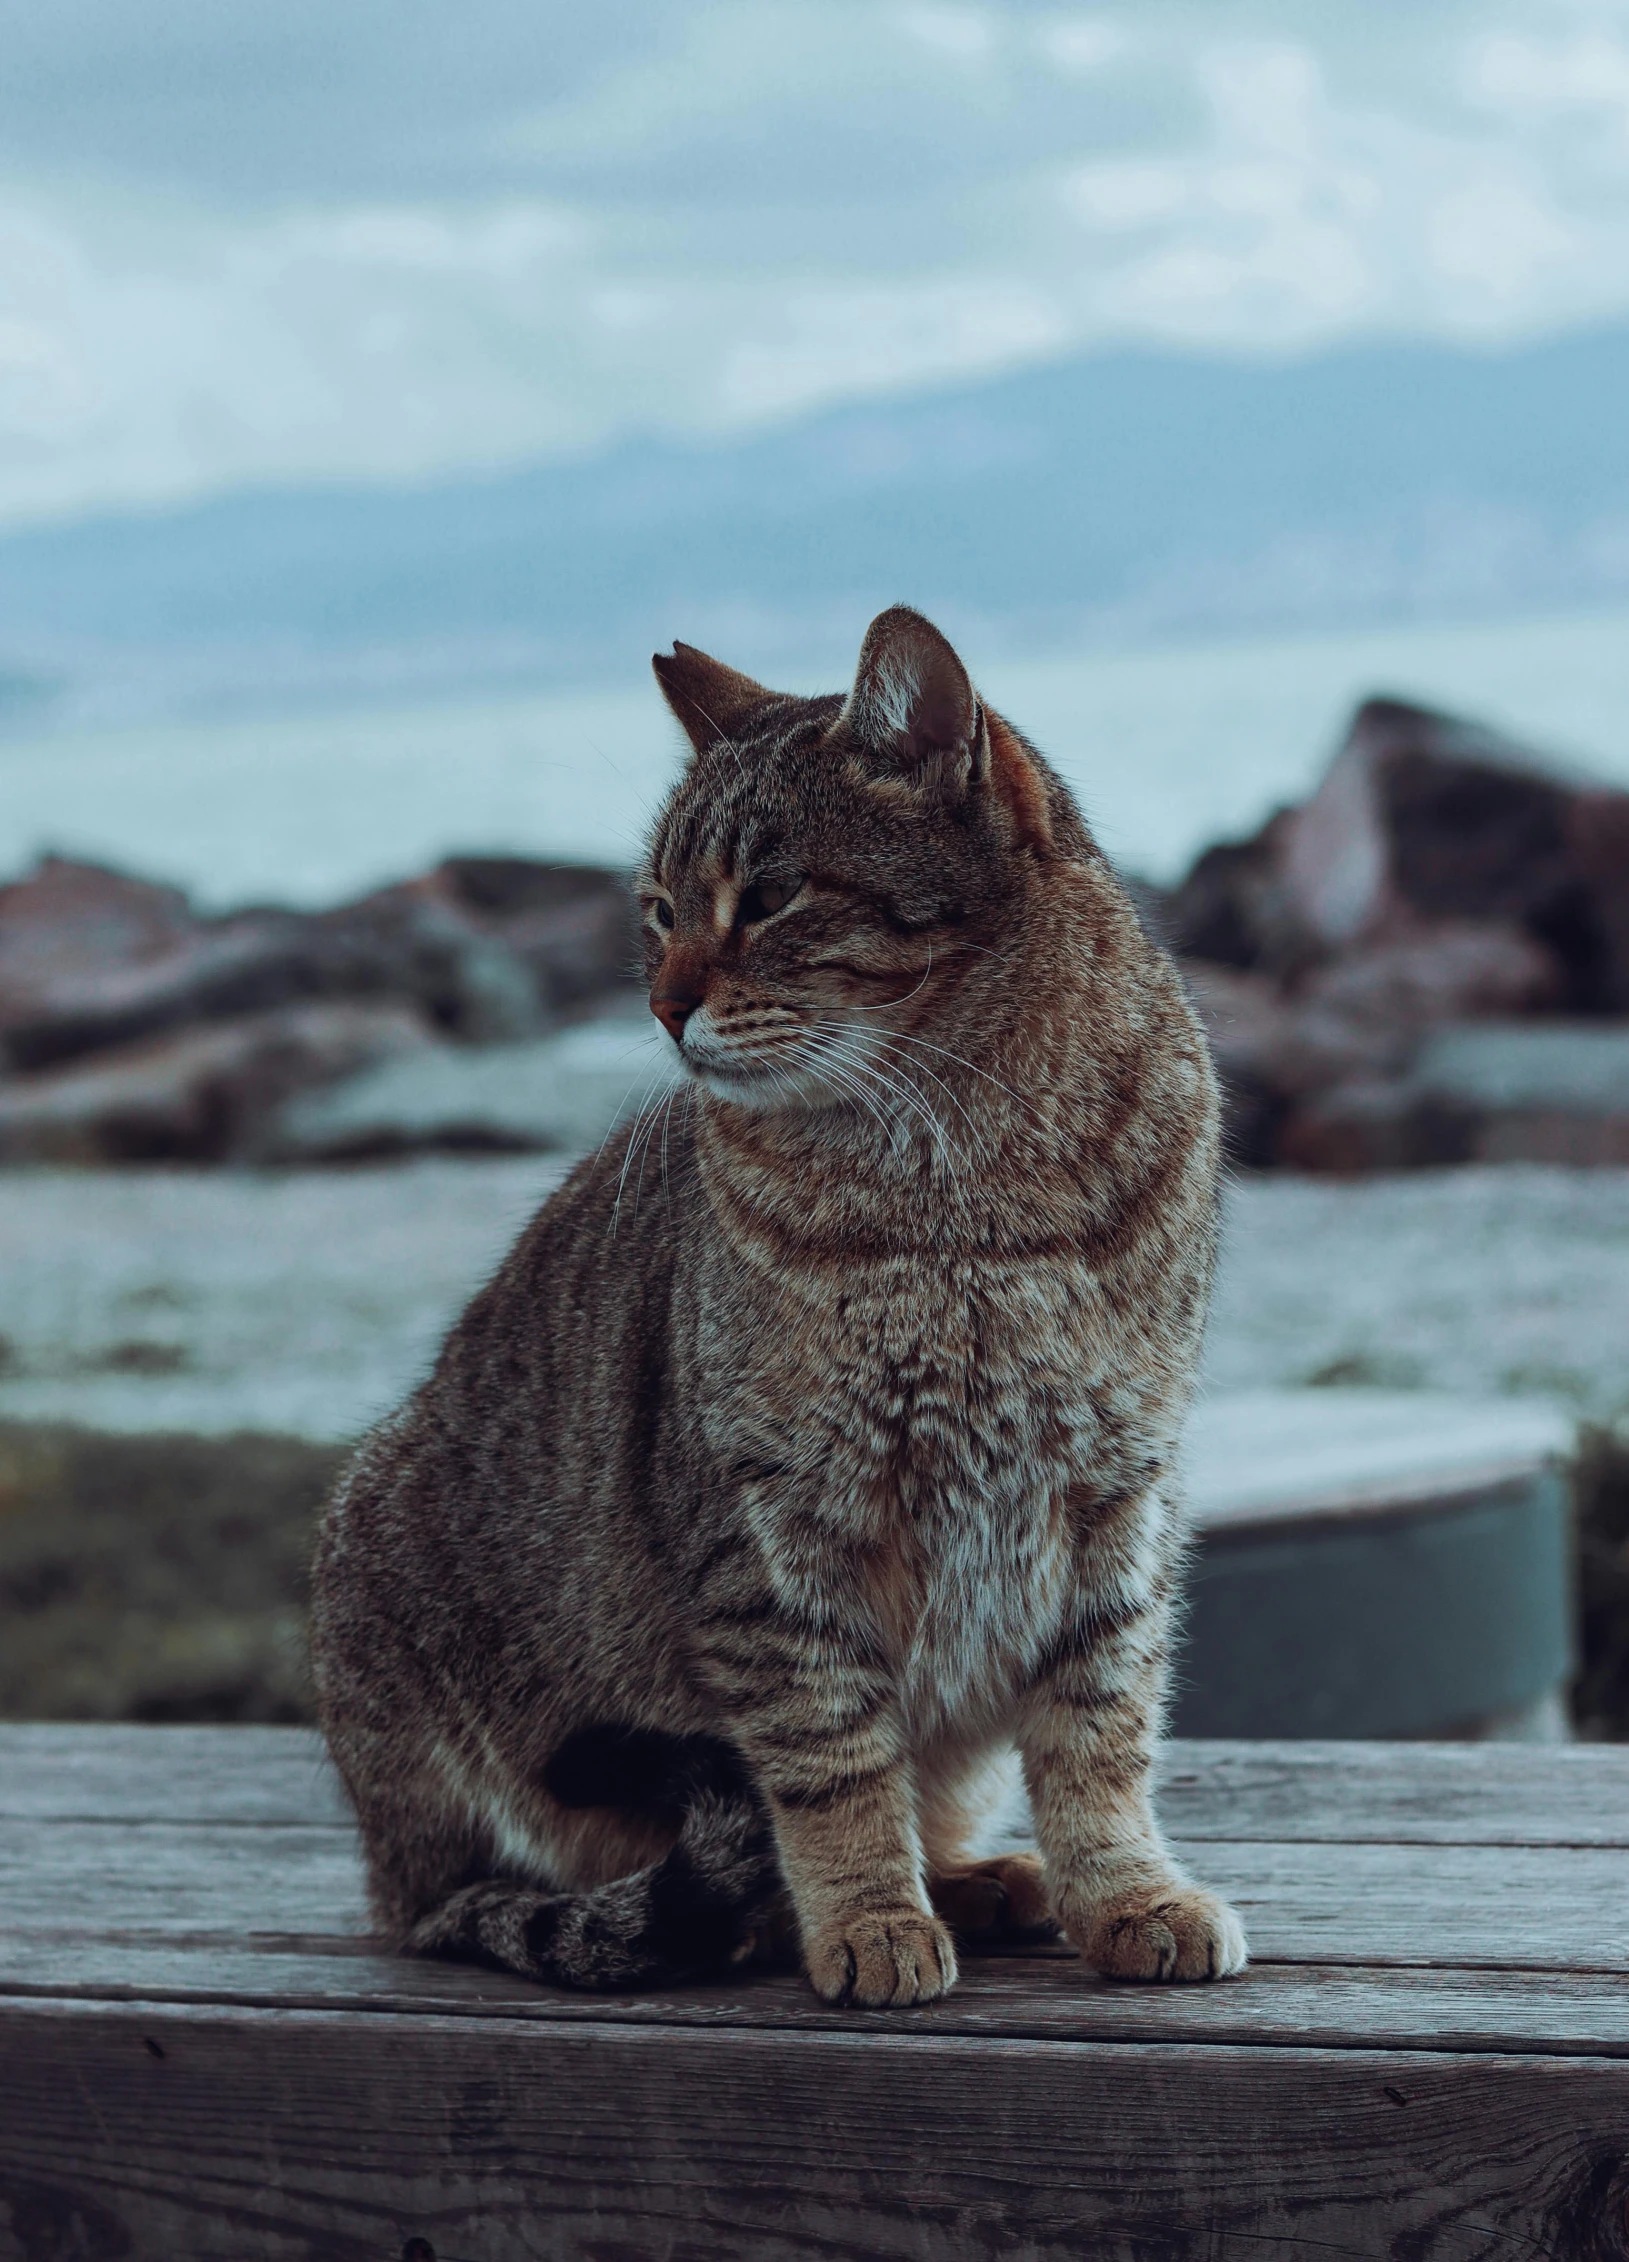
(1169, 746)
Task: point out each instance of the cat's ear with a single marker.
(710, 700)
(913, 709)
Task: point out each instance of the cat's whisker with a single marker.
(658, 1115)
(893, 1001)
(973, 1068)
(667, 1125)
(858, 1066)
(840, 1077)
(982, 1142)
(916, 1068)
(916, 1100)
(621, 1108)
(644, 1122)
(815, 1060)
(841, 1074)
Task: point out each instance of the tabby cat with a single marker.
(744, 1525)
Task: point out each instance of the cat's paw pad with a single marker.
(1002, 1899)
(879, 1957)
(1165, 1932)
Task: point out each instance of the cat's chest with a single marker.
(934, 1391)
(932, 1434)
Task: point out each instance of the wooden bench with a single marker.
(201, 2054)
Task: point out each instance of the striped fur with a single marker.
(818, 1443)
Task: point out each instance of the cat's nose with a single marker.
(673, 1003)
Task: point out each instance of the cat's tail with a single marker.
(694, 1912)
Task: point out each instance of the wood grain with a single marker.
(59, 1771)
(291, 2137)
(1428, 1794)
(1512, 1907)
(180, 1877)
(1486, 1794)
(1048, 1997)
(202, 2054)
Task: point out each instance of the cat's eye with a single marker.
(664, 912)
(764, 898)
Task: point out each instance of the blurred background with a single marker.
(1241, 386)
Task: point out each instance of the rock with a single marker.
(1455, 970)
(1372, 1123)
(1274, 1051)
(1487, 1092)
(1421, 821)
(574, 926)
(1439, 875)
(1498, 1069)
(195, 1095)
(1598, 836)
(1421, 818)
(559, 1092)
(1234, 908)
(1532, 1094)
(1316, 1073)
(486, 950)
(68, 926)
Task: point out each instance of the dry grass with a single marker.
(158, 1577)
(164, 1577)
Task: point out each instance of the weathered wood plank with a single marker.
(296, 2136)
(1474, 1794)
(1046, 1997)
(1487, 1794)
(180, 1877)
(1517, 1907)
(51, 1771)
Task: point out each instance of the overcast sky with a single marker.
(384, 239)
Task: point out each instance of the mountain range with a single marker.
(1120, 494)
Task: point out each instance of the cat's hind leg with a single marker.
(990, 1901)
(697, 1910)
(995, 1903)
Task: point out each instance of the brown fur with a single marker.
(818, 1441)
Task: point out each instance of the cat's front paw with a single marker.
(1165, 1931)
(878, 1957)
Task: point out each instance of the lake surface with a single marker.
(1169, 746)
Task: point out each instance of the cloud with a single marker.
(390, 242)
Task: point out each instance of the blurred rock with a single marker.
(1234, 907)
(1421, 820)
(1273, 1051)
(1492, 1092)
(1532, 1094)
(484, 949)
(134, 1030)
(67, 927)
(1439, 875)
(202, 1094)
(1457, 969)
(574, 927)
(558, 1092)
(1373, 1123)
(1496, 1068)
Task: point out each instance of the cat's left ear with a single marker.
(913, 709)
(709, 699)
